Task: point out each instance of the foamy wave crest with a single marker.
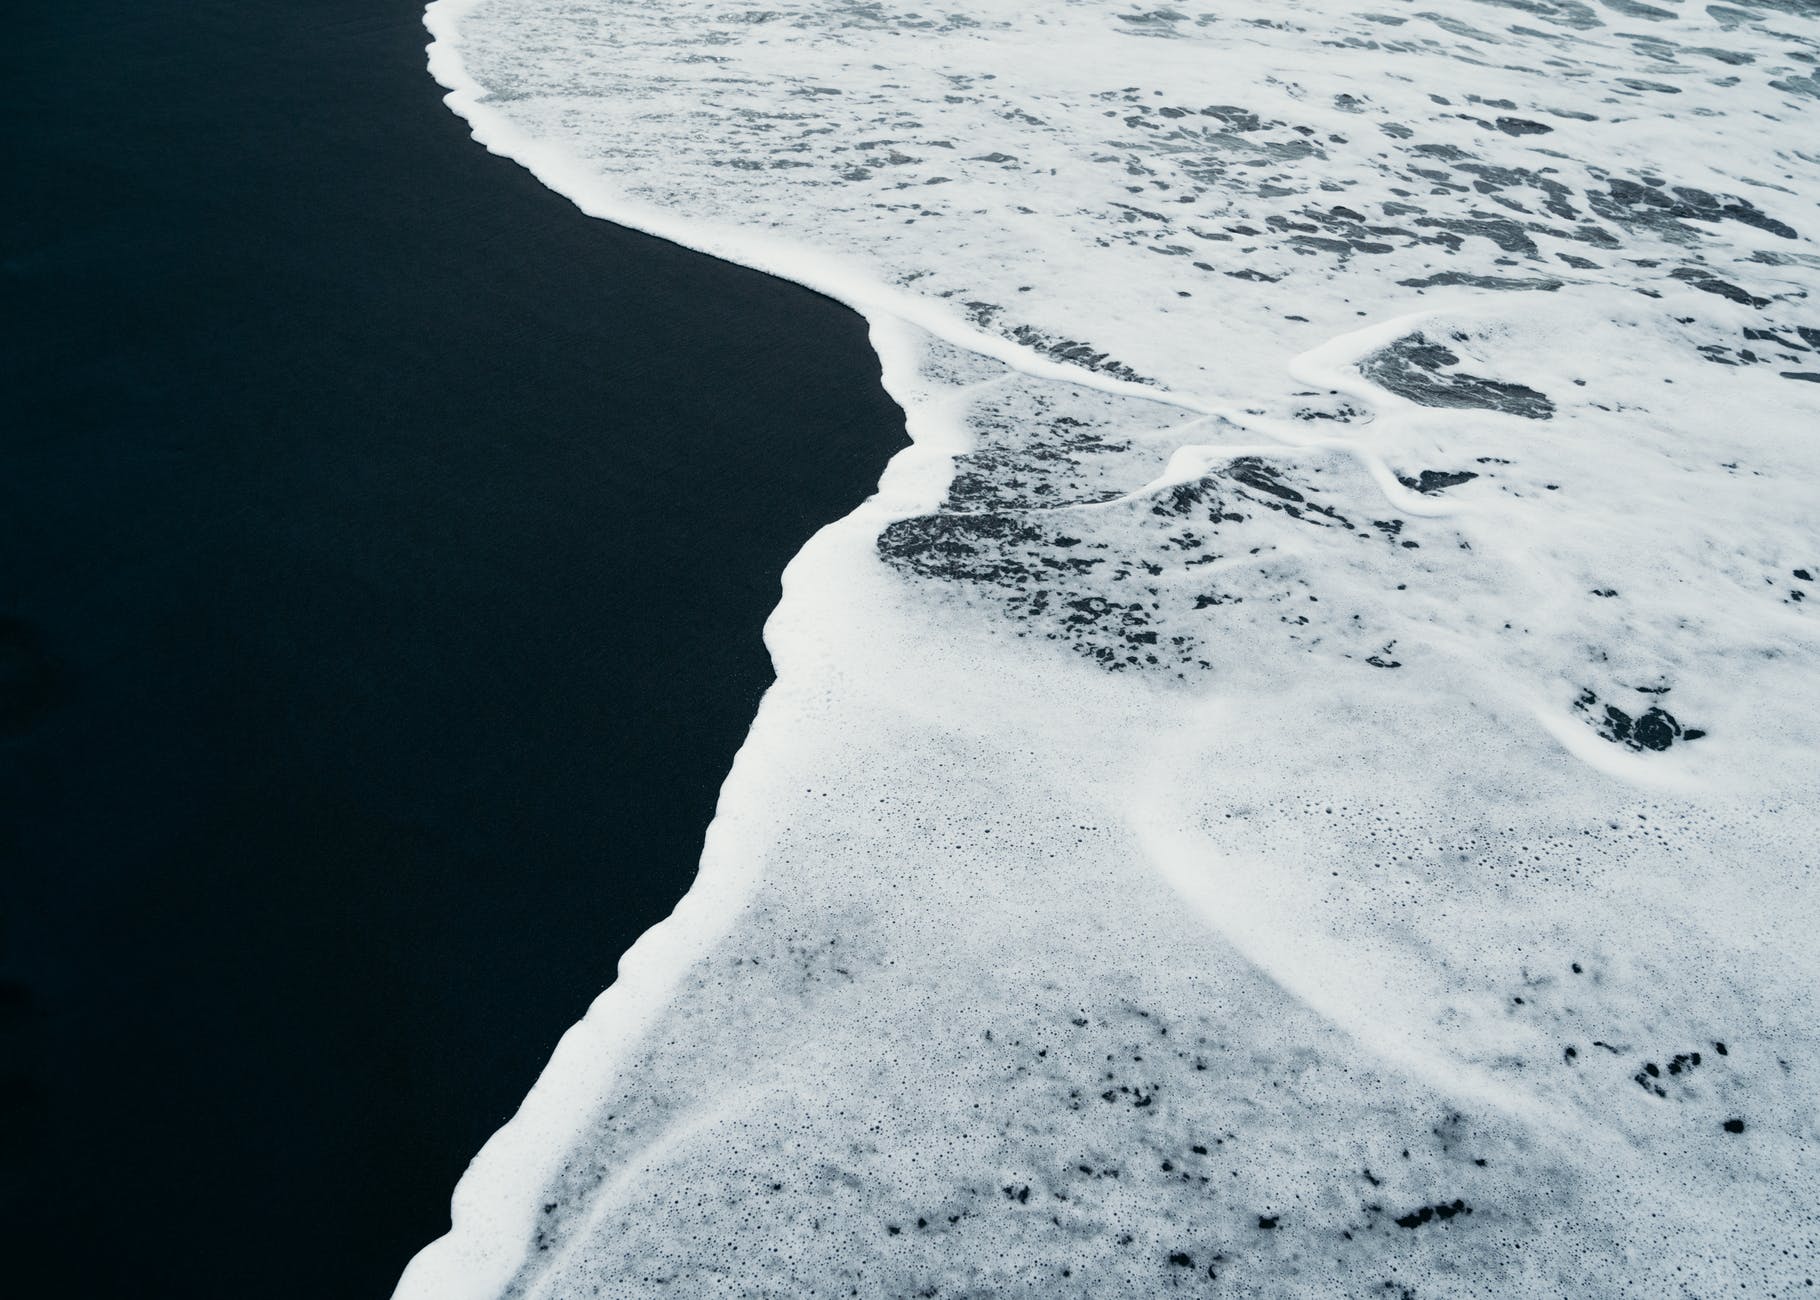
(1303, 779)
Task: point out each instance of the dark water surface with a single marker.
(383, 553)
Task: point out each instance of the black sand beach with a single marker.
(384, 548)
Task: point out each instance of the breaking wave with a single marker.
(1302, 780)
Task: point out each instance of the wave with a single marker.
(1301, 779)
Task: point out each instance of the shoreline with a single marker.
(349, 455)
(785, 1094)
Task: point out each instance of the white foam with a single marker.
(1191, 795)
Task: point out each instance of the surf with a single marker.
(1298, 777)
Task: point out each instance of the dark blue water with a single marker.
(383, 553)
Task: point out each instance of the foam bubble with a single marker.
(1302, 779)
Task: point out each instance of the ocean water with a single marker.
(1302, 781)
(332, 785)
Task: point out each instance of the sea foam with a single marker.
(1303, 779)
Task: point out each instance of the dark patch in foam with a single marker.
(1438, 1212)
(1543, 284)
(1654, 729)
(1431, 481)
(1069, 351)
(1666, 209)
(1704, 280)
(1417, 369)
(1108, 581)
(1562, 13)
